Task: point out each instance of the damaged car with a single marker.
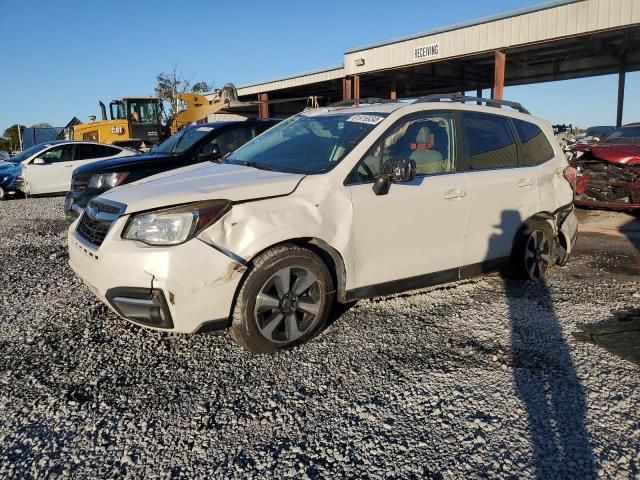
(608, 173)
(334, 204)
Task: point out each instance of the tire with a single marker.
(533, 254)
(272, 313)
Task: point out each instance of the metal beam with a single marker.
(498, 75)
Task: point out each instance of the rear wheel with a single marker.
(285, 300)
(533, 251)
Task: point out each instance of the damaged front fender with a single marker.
(317, 214)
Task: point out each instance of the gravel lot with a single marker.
(479, 379)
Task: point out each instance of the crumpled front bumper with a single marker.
(194, 283)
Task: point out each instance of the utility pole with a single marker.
(19, 138)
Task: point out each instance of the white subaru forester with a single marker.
(333, 204)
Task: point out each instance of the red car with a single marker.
(608, 172)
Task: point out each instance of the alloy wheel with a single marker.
(288, 304)
(537, 255)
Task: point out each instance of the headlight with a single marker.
(107, 181)
(173, 226)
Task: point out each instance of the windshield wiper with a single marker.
(261, 166)
(245, 163)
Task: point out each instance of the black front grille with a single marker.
(79, 183)
(93, 230)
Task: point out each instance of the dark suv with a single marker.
(194, 144)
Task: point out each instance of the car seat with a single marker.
(427, 159)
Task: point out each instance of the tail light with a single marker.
(571, 174)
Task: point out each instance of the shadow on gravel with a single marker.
(545, 377)
(619, 335)
(547, 383)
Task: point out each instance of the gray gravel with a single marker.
(479, 379)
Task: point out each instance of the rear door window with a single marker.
(490, 141)
(89, 151)
(536, 149)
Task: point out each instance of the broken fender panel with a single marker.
(314, 211)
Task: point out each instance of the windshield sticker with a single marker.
(205, 129)
(369, 119)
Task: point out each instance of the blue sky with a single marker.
(60, 58)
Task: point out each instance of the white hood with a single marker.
(203, 181)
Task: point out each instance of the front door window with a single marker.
(61, 153)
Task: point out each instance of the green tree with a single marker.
(5, 145)
(11, 135)
(42, 125)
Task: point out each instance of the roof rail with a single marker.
(363, 101)
(456, 97)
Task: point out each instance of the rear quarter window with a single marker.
(536, 148)
(490, 142)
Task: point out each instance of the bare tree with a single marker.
(170, 84)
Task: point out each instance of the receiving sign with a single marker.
(427, 51)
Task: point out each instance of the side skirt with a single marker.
(423, 281)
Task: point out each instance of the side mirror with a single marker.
(40, 161)
(400, 170)
(394, 171)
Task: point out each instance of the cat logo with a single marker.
(117, 130)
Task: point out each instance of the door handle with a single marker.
(525, 182)
(451, 194)
(70, 165)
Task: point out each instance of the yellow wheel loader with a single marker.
(134, 122)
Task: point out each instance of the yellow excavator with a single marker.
(196, 108)
(134, 122)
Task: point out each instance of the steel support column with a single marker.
(498, 75)
(263, 106)
(621, 81)
(393, 93)
(356, 87)
(479, 95)
(346, 88)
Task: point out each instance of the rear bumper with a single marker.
(185, 288)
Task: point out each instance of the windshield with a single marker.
(307, 144)
(23, 155)
(182, 140)
(143, 111)
(624, 135)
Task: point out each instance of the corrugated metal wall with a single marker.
(293, 81)
(562, 21)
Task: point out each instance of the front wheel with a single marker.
(284, 300)
(533, 252)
